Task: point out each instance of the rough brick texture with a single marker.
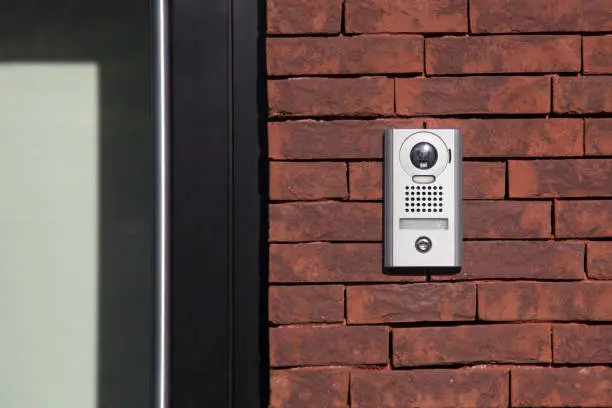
(306, 304)
(299, 17)
(561, 178)
(307, 181)
(397, 16)
(529, 84)
(575, 344)
(506, 219)
(325, 221)
(365, 180)
(586, 94)
(561, 387)
(598, 137)
(599, 260)
(410, 303)
(328, 345)
(563, 301)
(474, 387)
(328, 97)
(311, 387)
(584, 219)
(484, 180)
(503, 16)
(503, 54)
(472, 95)
(365, 54)
(512, 343)
(597, 54)
(520, 260)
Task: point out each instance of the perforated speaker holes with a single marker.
(424, 199)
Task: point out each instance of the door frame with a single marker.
(216, 234)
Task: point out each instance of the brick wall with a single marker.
(524, 323)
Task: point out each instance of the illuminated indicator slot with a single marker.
(423, 223)
(423, 179)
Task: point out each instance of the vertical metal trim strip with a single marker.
(161, 391)
(388, 198)
(458, 156)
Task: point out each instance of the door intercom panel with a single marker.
(422, 198)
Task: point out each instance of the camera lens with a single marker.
(423, 156)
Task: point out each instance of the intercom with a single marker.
(422, 198)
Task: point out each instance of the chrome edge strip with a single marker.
(458, 156)
(388, 198)
(161, 391)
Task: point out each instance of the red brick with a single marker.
(307, 181)
(472, 95)
(506, 219)
(341, 139)
(434, 302)
(466, 387)
(503, 54)
(364, 96)
(560, 178)
(598, 137)
(583, 219)
(484, 180)
(585, 94)
(597, 53)
(512, 343)
(503, 16)
(599, 260)
(325, 262)
(309, 387)
(300, 17)
(561, 387)
(328, 345)
(325, 221)
(520, 260)
(306, 304)
(562, 301)
(516, 137)
(397, 16)
(366, 180)
(364, 54)
(582, 344)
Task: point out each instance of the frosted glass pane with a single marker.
(48, 235)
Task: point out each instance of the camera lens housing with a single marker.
(423, 155)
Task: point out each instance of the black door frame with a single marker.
(217, 189)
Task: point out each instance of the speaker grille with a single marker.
(424, 199)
